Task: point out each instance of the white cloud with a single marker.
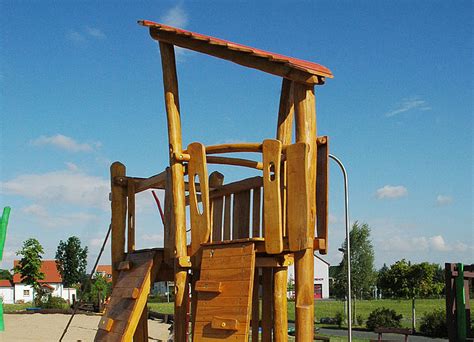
(43, 217)
(65, 187)
(391, 191)
(95, 32)
(75, 37)
(409, 104)
(175, 16)
(65, 143)
(71, 166)
(421, 244)
(438, 244)
(442, 200)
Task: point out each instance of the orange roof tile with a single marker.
(48, 267)
(5, 283)
(107, 269)
(183, 35)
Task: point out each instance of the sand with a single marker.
(49, 327)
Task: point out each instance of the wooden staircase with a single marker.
(129, 297)
(224, 293)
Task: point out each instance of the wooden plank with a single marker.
(322, 194)
(219, 251)
(119, 212)
(272, 196)
(267, 304)
(248, 60)
(154, 181)
(141, 334)
(298, 197)
(206, 329)
(131, 217)
(226, 262)
(216, 180)
(242, 185)
(305, 118)
(227, 274)
(241, 215)
(233, 148)
(170, 82)
(200, 216)
(256, 306)
(168, 226)
(124, 266)
(280, 308)
(256, 208)
(217, 206)
(227, 217)
(106, 324)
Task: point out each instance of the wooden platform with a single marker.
(129, 297)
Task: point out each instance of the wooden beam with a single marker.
(170, 82)
(280, 312)
(119, 212)
(251, 61)
(322, 195)
(235, 161)
(158, 180)
(267, 304)
(305, 115)
(232, 188)
(131, 217)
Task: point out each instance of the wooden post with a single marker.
(141, 333)
(256, 305)
(131, 216)
(284, 131)
(305, 115)
(280, 310)
(119, 212)
(267, 307)
(170, 81)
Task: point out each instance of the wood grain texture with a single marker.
(200, 217)
(267, 304)
(119, 212)
(322, 194)
(280, 309)
(169, 231)
(130, 217)
(170, 82)
(272, 196)
(227, 217)
(256, 305)
(305, 118)
(298, 196)
(256, 210)
(241, 215)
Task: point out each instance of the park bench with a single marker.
(400, 331)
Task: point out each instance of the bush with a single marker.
(383, 318)
(360, 320)
(53, 302)
(339, 318)
(433, 324)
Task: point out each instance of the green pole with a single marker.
(461, 304)
(3, 235)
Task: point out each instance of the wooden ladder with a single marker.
(129, 297)
(224, 293)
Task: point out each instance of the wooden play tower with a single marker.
(244, 234)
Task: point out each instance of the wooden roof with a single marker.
(288, 67)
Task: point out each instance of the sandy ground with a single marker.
(48, 328)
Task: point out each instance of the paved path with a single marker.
(370, 335)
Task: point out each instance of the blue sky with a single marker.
(81, 87)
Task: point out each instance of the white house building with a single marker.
(52, 283)
(321, 279)
(7, 291)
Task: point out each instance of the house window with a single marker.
(26, 293)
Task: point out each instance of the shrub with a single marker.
(53, 302)
(360, 320)
(339, 318)
(433, 324)
(383, 317)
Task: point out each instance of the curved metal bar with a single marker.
(235, 161)
(348, 249)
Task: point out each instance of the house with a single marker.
(321, 279)
(7, 292)
(105, 271)
(52, 283)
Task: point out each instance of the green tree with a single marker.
(29, 266)
(71, 261)
(5, 274)
(363, 275)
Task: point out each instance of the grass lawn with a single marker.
(8, 308)
(329, 308)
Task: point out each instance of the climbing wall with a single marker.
(224, 293)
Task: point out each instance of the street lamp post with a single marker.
(348, 246)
